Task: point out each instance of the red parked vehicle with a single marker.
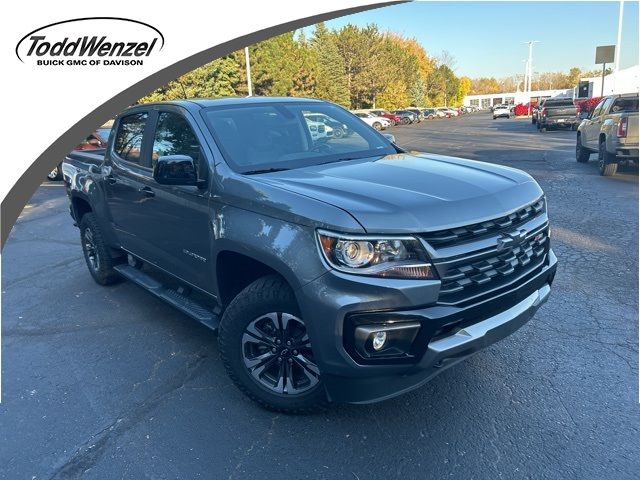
(395, 119)
(97, 139)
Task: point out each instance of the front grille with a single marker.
(443, 238)
(474, 276)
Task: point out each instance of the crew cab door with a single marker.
(176, 227)
(591, 130)
(126, 169)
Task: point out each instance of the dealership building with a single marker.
(623, 81)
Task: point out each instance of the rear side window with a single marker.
(128, 142)
(625, 105)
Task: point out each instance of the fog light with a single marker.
(379, 339)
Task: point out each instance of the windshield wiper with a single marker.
(264, 170)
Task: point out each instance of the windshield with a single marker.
(279, 136)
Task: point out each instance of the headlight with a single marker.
(390, 257)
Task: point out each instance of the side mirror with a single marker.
(176, 170)
(389, 137)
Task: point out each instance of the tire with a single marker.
(262, 308)
(56, 173)
(338, 133)
(542, 129)
(494, 118)
(606, 162)
(406, 121)
(582, 154)
(377, 126)
(96, 251)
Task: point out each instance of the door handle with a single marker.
(147, 191)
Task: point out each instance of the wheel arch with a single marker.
(79, 207)
(235, 270)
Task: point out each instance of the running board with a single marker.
(172, 297)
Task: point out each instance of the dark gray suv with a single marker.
(334, 268)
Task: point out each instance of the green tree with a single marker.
(214, 79)
(394, 96)
(331, 81)
(362, 53)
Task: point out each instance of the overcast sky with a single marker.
(486, 38)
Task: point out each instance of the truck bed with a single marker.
(86, 157)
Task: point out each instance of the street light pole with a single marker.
(530, 65)
(246, 58)
(619, 35)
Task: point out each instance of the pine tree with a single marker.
(331, 83)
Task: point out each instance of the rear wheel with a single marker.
(606, 162)
(405, 121)
(377, 125)
(96, 251)
(266, 348)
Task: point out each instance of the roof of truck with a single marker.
(213, 102)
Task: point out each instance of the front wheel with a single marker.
(266, 349)
(582, 154)
(377, 126)
(338, 133)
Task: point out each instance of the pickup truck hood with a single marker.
(414, 192)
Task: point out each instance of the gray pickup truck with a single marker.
(334, 269)
(611, 131)
(557, 113)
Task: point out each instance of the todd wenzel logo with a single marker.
(94, 41)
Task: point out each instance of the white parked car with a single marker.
(501, 111)
(379, 123)
(319, 130)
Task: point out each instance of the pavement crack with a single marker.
(90, 452)
(39, 271)
(247, 452)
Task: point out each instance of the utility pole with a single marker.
(530, 67)
(246, 59)
(617, 67)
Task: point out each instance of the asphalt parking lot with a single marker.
(106, 383)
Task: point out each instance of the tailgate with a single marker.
(632, 129)
(568, 111)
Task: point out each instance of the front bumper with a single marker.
(328, 302)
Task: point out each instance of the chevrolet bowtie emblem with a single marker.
(511, 239)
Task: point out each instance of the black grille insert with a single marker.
(471, 277)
